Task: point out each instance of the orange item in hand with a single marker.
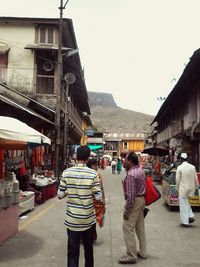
(100, 210)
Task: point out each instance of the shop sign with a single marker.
(89, 132)
(93, 140)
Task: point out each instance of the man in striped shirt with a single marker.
(134, 189)
(80, 185)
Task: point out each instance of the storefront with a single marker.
(17, 142)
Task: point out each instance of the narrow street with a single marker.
(41, 240)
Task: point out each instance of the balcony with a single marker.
(73, 115)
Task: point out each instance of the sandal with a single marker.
(126, 260)
(141, 256)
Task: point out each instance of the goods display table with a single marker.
(8, 222)
(47, 191)
(170, 194)
(26, 201)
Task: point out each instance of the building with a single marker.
(118, 145)
(30, 67)
(178, 120)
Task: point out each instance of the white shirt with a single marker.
(186, 179)
(113, 163)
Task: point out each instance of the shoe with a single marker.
(185, 225)
(145, 212)
(140, 256)
(126, 260)
(191, 219)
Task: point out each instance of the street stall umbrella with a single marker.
(14, 133)
(156, 151)
(109, 157)
(92, 154)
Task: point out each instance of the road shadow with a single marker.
(22, 245)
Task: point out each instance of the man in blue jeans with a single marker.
(80, 185)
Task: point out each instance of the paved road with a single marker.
(41, 240)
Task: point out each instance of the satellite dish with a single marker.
(47, 66)
(70, 78)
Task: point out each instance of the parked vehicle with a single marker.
(170, 194)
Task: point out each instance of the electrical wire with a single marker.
(66, 3)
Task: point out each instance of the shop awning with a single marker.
(19, 106)
(13, 131)
(4, 48)
(46, 47)
(95, 147)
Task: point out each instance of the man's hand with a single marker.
(62, 195)
(125, 216)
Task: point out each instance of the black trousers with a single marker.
(74, 238)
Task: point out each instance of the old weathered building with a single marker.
(178, 120)
(30, 66)
(121, 144)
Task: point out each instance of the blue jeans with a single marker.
(74, 247)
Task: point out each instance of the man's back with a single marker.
(81, 183)
(186, 178)
(113, 163)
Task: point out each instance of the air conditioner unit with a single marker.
(47, 66)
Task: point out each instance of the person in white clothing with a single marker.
(113, 166)
(186, 183)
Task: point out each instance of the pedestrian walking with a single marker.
(133, 225)
(80, 185)
(187, 183)
(113, 165)
(93, 164)
(103, 163)
(174, 165)
(119, 165)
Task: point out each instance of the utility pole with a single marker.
(58, 90)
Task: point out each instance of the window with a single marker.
(3, 67)
(45, 85)
(46, 35)
(44, 77)
(125, 145)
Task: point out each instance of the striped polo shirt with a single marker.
(82, 185)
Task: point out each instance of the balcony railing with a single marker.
(73, 115)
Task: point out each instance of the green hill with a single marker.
(108, 117)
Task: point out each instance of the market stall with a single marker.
(16, 138)
(170, 194)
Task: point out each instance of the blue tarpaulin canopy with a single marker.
(95, 147)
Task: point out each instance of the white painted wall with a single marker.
(20, 61)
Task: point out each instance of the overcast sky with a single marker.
(130, 48)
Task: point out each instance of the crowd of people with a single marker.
(82, 185)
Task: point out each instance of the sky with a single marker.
(134, 49)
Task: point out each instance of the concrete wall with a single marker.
(20, 71)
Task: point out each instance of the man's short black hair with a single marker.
(132, 156)
(83, 153)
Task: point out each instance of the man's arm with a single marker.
(96, 189)
(178, 178)
(130, 196)
(62, 189)
(196, 180)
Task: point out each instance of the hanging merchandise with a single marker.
(1, 163)
(22, 169)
